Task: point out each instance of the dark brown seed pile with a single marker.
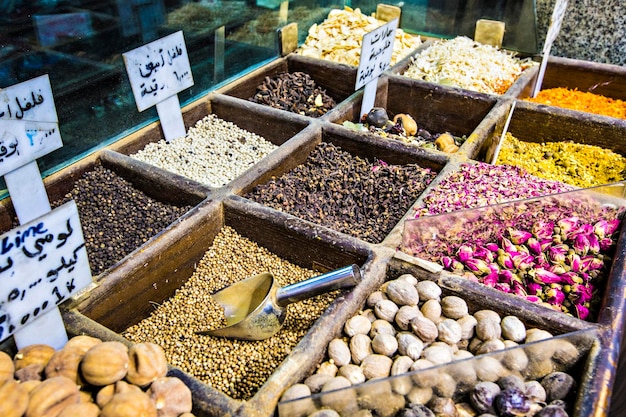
(346, 193)
(295, 92)
(116, 218)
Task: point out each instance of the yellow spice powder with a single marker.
(581, 101)
(571, 163)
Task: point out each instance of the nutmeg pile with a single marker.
(89, 377)
(409, 326)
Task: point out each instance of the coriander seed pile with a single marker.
(237, 368)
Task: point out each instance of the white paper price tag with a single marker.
(42, 264)
(28, 123)
(158, 70)
(376, 51)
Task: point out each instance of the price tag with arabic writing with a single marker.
(29, 126)
(42, 264)
(158, 70)
(376, 52)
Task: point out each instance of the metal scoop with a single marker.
(254, 307)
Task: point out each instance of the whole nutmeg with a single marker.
(454, 307)
(147, 362)
(487, 315)
(315, 382)
(352, 372)
(401, 365)
(468, 325)
(360, 347)
(80, 409)
(380, 326)
(36, 354)
(408, 278)
(357, 325)
(7, 368)
(65, 362)
(105, 393)
(376, 366)
(432, 309)
(512, 402)
(408, 123)
(402, 293)
(487, 329)
(303, 407)
(13, 398)
(428, 290)
(438, 353)
(558, 386)
(483, 396)
(443, 407)
(513, 329)
(129, 404)
(105, 363)
(535, 391)
(83, 342)
(425, 329)
(51, 396)
(404, 316)
(171, 396)
(339, 352)
(377, 116)
(410, 345)
(328, 368)
(342, 400)
(490, 346)
(386, 310)
(449, 331)
(375, 297)
(385, 344)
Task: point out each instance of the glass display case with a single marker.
(80, 43)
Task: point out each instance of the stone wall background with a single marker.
(592, 30)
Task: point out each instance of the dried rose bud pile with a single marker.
(552, 250)
(475, 185)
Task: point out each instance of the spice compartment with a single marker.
(549, 125)
(338, 178)
(336, 80)
(603, 79)
(514, 90)
(122, 205)
(225, 138)
(435, 108)
(131, 294)
(450, 386)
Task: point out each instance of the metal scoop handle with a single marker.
(348, 276)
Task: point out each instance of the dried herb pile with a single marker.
(481, 184)
(574, 99)
(333, 188)
(572, 163)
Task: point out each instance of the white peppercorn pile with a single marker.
(116, 218)
(213, 152)
(237, 368)
(345, 192)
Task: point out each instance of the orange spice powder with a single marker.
(581, 101)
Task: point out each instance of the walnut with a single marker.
(171, 396)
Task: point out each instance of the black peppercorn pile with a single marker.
(116, 218)
(346, 193)
(295, 92)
